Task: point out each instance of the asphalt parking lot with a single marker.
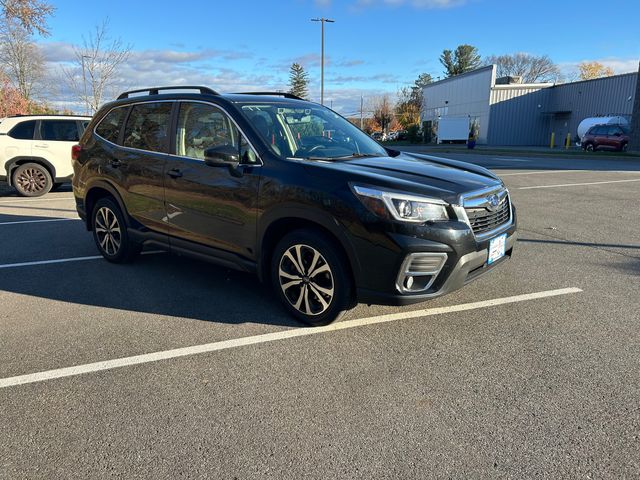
(172, 368)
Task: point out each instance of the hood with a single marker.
(420, 174)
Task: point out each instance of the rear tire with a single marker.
(624, 147)
(32, 180)
(110, 232)
(311, 277)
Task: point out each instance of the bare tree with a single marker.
(23, 62)
(532, 69)
(382, 112)
(96, 65)
(31, 14)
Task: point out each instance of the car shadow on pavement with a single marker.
(161, 284)
(158, 283)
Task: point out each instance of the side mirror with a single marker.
(617, 134)
(222, 156)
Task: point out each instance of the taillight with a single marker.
(75, 152)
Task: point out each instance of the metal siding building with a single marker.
(526, 114)
(508, 122)
(570, 103)
(466, 95)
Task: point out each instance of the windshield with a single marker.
(309, 132)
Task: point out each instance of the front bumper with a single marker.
(465, 268)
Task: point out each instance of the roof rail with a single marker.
(17, 115)
(278, 94)
(156, 90)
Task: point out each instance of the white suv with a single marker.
(35, 151)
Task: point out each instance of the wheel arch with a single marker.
(294, 219)
(15, 162)
(96, 191)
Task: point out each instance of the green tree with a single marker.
(463, 59)
(298, 81)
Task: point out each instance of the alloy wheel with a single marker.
(108, 231)
(32, 180)
(306, 279)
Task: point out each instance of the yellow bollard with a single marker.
(567, 142)
(553, 140)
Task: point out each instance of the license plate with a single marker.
(496, 248)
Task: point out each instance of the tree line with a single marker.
(405, 114)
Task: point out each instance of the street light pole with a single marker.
(322, 20)
(84, 86)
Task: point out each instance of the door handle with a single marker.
(174, 173)
(115, 163)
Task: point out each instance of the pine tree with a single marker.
(298, 81)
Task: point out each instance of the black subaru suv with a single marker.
(273, 184)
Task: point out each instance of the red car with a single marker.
(606, 137)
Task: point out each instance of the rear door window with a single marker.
(23, 130)
(148, 127)
(59, 130)
(110, 126)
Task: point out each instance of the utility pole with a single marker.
(322, 20)
(361, 118)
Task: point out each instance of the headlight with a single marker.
(403, 207)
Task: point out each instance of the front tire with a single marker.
(589, 147)
(311, 277)
(32, 180)
(110, 232)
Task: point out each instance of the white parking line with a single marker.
(39, 221)
(269, 337)
(22, 200)
(580, 184)
(65, 260)
(538, 172)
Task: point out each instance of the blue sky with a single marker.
(375, 46)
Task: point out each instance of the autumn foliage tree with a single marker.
(591, 70)
(11, 101)
(382, 112)
(32, 14)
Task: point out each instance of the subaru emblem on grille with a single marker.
(492, 202)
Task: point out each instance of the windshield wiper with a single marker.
(357, 155)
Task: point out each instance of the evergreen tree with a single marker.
(463, 59)
(298, 81)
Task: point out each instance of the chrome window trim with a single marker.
(462, 213)
(132, 104)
